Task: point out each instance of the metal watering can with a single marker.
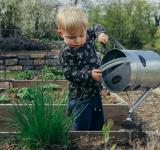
(124, 70)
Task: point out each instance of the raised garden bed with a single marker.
(95, 140)
(116, 112)
(114, 107)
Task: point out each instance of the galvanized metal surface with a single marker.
(143, 70)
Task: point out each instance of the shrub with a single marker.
(22, 44)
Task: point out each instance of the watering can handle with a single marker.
(115, 41)
(122, 60)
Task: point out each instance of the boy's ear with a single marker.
(59, 32)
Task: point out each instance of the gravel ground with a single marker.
(148, 111)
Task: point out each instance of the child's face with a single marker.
(74, 40)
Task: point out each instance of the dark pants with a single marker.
(88, 113)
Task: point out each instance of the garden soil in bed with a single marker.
(147, 142)
(107, 97)
(148, 111)
(87, 142)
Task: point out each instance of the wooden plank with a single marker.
(119, 98)
(26, 83)
(111, 111)
(117, 113)
(5, 84)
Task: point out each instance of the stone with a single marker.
(27, 67)
(1, 67)
(39, 67)
(25, 62)
(1, 62)
(51, 57)
(14, 68)
(27, 57)
(11, 62)
(52, 62)
(38, 62)
(40, 56)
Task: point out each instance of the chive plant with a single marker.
(42, 123)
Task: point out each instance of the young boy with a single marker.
(80, 64)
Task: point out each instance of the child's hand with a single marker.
(96, 74)
(103, 38)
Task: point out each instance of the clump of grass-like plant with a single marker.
(41, 123)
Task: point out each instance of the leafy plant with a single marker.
(4, 99)
(106, 129)
(50, 87)
(25, 75)
(42, 124)
(52, 73)
(47, 74)
(25, 94)
(11, 90)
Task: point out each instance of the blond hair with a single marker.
(71, 20)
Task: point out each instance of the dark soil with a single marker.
(97, 143)
(82, 143)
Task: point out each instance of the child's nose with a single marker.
(77, 39)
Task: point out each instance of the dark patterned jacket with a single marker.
(77, 65)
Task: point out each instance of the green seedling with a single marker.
(105, 130)
(4, 99)
(25, 94)
(25, 75)
(52, 73)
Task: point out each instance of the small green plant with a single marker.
(47, 74)
(11, 90)
(105, 130)
(52, 73)
(58, 74)
(25, 75)
(42, 124)
(25, 94)
(50, 87)
(4, 99)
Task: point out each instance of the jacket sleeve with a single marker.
(82, 77)
(94, 31)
